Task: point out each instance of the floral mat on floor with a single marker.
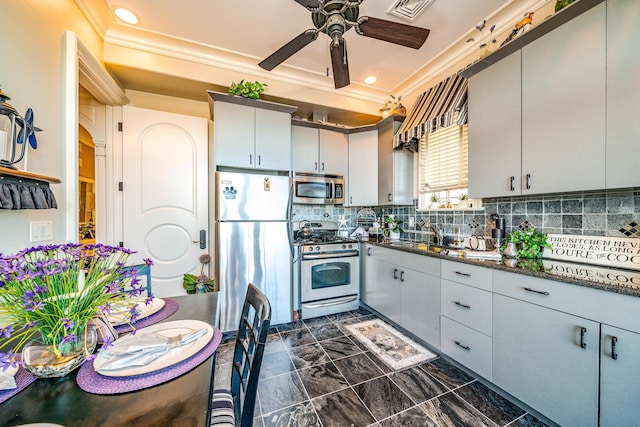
(390, 345)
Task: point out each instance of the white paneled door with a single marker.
(165, 200)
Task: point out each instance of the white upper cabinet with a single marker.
(623, 93)
(249, 136)
(363, 173)
(318, 151)
(563, 107)
(494, 104)
(395, 169)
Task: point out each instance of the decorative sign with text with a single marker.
(620, 252)
(607, 276)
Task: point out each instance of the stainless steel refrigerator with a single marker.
(253, 243)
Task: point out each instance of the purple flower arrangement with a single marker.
(51, 292)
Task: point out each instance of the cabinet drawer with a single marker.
(422, 263)
(471, 275)
(467, 346)
(602, 306)
(467, 305)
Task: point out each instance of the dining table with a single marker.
(182, 401)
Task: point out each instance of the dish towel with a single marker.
(483, 255)
(140, 350)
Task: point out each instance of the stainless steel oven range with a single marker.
(329, 275)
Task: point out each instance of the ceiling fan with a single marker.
(334, 18)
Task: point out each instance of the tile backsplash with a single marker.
(612, 213)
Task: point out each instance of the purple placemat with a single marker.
(91, 381)
(23, 379)
(170, 307)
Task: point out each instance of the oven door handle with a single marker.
(329, 303)
(306, 257)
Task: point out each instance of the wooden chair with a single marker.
(236, 407)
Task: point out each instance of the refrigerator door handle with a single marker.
(289, 223)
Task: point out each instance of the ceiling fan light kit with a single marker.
(336, 17)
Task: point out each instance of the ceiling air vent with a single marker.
(408, 9)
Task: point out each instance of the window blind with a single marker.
(443, 159)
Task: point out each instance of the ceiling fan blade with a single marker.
(282, 54)
(393, 32)
(340, 64)
(308, 3)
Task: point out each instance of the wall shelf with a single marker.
(28, 175)
(551, 23)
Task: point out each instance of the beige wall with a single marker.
(31, 73)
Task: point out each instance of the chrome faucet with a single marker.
(437, 233)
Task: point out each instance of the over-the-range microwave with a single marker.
(315, 189)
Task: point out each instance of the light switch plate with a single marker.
(40, 231)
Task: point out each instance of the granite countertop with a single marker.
(593, 276)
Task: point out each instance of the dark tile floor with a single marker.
(315, 374)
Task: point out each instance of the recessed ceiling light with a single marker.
(370, 80)
(126, 15)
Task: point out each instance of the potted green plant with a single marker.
(246, 89)
(464, 201)
(435, 201)
(201, 283)
(529, 243)
(394, 228)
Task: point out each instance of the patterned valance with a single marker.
(434, 109)
(22, 193)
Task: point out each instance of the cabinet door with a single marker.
(333, 153)
(420, 305)
(304, 149)
(623, 92)
(273, 140)
(538, 358)
(619, 378)
(366, 277)
(494, 129)
(363, 171)
(384, 289)
(563, 107)
(395, 170)
(234, 135)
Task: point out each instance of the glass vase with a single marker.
(42, 361)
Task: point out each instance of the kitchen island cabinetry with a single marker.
(623, 92)
(395, 167)
(251, 134)
(363, 178)
(319, 151)
(405, 288)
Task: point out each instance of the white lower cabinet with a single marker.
(619, 377)
(466, 346)
(395, 288)
(420, 305)
(547, 359)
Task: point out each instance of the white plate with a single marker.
(156, 305)
(175, 355)
(11, 371)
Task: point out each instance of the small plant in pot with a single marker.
(529, 243)
(246, 89)
(464, 201)
(394, 228)
(435, 201)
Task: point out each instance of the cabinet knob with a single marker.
(614, 354)
(511, 187)
(322, 165)
(395, 273)
(259, 159)
(402, 276)
(390, 197)
(315, 167)
(369, 251)
(250, 159)
(528, 185)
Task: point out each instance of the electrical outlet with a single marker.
(412, 221)
(40, 231)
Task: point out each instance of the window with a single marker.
(443, 163)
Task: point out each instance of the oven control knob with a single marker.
(317, 248)
(344, 246)
(350, 246)
(310, 248)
